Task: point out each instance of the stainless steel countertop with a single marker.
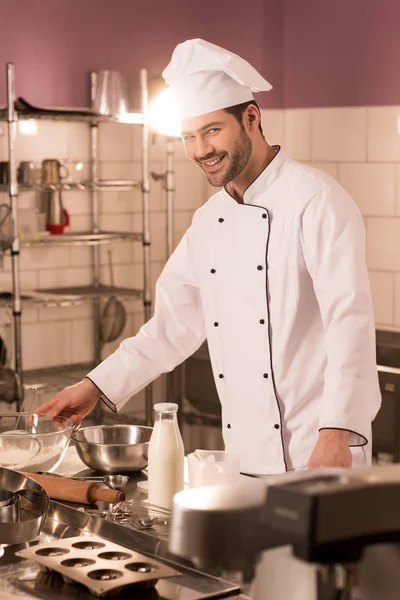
(19, 578)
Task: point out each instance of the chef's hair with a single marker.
(238, 110)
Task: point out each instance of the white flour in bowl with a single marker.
(28, 460)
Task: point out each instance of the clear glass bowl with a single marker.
(38, 444)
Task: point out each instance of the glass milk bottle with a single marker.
(166, 454)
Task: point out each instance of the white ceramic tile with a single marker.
(29, 315)
(129, 276)
(65, 277)
(115, 142)
(51, 141)
(65, 313)
(331, 168)
(116, 222)
(78, 141)
(3, 141)
(382, 288)
(189, 186)
(46, 344)
(397, 189)
(112, 202)
(297, 141)
(44, 258)
(372, 186)
(124, 170)
(121, 253)
(158, 199)
(384, 133)
(383, 235)
(77, 203)
(273, 124)
(81, 256)
(339, 134)
(397, 300)
(28, 280)
(82, 340)
(80, 223)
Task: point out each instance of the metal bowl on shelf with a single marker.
(113, 448)
(39, 443)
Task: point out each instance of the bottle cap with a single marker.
(166, 407)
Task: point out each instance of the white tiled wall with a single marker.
(360, 147)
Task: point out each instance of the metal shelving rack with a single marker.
(94, 238)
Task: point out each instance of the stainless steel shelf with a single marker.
(84, 115)
(72, 296)
(103, 185)
(85, 238)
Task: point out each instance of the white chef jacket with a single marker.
(279, 287)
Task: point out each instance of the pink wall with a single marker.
(55, 43)
(341, 53)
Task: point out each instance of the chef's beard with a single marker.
(236, 161)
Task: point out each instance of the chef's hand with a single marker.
(74, 402)
(331, 450)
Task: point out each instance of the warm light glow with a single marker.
(129, 117)
(28, 127)
(163, 115)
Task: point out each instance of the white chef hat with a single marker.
(204, 77)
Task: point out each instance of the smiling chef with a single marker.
(272, 272)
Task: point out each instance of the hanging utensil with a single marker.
(113, 318)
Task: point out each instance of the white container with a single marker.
(212, 467)
(166, 456)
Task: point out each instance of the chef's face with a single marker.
(219, 144)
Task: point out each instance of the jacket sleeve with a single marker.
(172, 335)
(333, 240)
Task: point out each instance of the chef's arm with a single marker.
(172, 335)
(333, 239)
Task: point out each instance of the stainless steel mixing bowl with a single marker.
(113, 448)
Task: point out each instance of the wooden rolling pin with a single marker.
(83, 492)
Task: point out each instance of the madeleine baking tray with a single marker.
(103, 567)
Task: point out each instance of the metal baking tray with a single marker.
(103, 567)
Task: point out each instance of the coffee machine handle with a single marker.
(66, 217)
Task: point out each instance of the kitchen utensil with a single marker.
(4, 172)
(113, 318)
(32, 506)
(110, 94)
(114, 482)
(57, 217)
(71, 490)
(53, 435)
(113, 449)
(26, 173)
(52, 171)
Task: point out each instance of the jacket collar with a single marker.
(265, 179)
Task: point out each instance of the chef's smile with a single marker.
(213, 164)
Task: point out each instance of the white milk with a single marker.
(166, 457)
